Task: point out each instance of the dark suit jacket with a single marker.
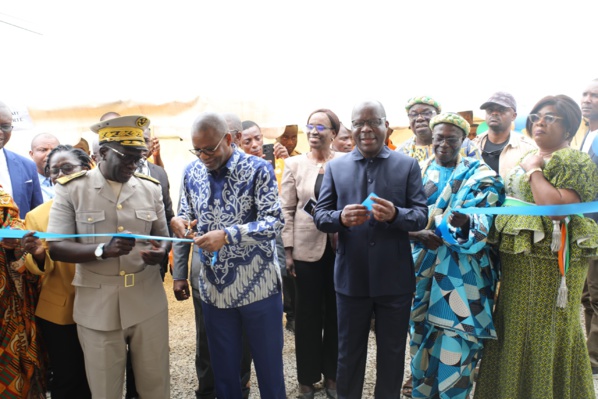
(25, 183)
(373, 259)
(158, 173)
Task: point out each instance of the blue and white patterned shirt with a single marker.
(240, 198)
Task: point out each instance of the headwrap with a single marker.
(453, 119)
(423, 100)
(12, 219)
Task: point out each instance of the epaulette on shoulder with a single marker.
(146, 177)
(65, 179)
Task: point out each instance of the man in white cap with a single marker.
(120, 298)
(501, 148)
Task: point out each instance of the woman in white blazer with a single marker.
(310, 258)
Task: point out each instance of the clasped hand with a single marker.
(357, 214)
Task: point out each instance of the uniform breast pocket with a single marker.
(87, 222)
(145, 219)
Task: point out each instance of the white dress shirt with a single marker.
(4, 175)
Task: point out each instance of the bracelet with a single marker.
(529, 173)
(226, 238)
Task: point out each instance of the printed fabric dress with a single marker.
(451, 315)
(541, 350)
(22, 372)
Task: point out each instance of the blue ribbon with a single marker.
(442, 230)
(10, 233)
(539, 210)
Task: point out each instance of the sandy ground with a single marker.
(182, 355)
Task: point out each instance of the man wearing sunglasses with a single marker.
(120, 298)
(231, 199)
(18, 175)
(502, 148)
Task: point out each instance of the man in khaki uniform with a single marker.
(119, 298)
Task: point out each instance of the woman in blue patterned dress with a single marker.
(541, 351)
(455, 275)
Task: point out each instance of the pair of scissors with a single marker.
(188, 229)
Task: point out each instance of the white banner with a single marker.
(21, 119)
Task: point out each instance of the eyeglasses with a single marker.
(208, 152)
(128, 159)
(66, 168)
(6, 128)
(424, 114)
(319, 128)
(448, 140)
(370, 122)
(549, 119)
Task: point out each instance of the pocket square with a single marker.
(29, 181)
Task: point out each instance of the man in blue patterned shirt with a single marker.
(232, 201)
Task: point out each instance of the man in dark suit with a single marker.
(158, 173)
(589, 299)
(373, 271)
(18, 175)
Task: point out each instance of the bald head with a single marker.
(211, 138)
(211, 123)
(41, 145)
(5, 121)
(371, 104)
(95, 149)
(369, 127)
(43, 137)
(109, 115)
(234, 126)
(4, 107)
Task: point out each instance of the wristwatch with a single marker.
(99, 252)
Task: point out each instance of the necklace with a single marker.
(320, 164)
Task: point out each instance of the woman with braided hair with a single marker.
(54, 311)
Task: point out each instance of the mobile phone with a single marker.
(268, 150)
(310, 207)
